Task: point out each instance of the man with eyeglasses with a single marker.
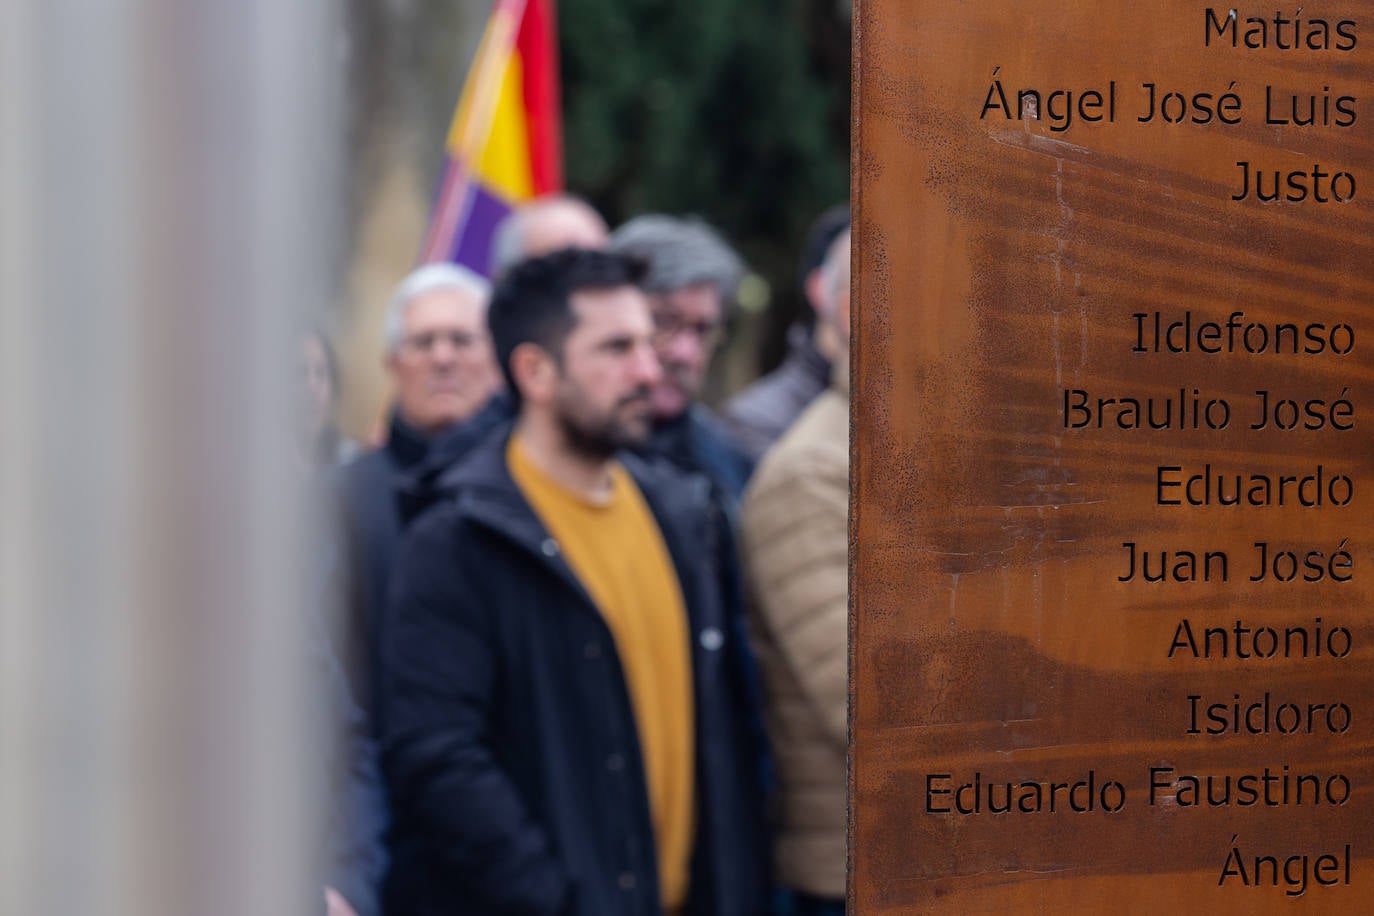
(692, 277)
(443, 370)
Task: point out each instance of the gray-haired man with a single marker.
(691, 280)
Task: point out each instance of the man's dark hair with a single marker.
(532, 303)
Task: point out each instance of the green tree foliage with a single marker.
(736, 111)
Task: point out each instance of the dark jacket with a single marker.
(759, 415)
(355, 805)
(511, 749)
(370, 488)
(382, 492)
(697, 443)
(355, 857)
(428, 484)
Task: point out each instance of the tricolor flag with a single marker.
(505, 144)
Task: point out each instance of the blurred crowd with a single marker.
(593, 657)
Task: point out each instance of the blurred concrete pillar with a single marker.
(166, 177)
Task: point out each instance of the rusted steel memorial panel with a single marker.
(1111, 632)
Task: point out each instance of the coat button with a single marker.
(592, 650)
(615, 763)
(712, 639)
(627, 881)
(550, 547)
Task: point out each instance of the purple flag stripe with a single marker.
(472, 248)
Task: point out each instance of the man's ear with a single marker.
(815, 292)
(535, 372)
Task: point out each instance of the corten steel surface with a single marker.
(998, 264)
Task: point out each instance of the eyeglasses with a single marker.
(425, 342)
(668, 326)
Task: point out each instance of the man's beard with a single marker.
(598, 438)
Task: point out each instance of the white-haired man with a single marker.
(443, 370)
(438, 352)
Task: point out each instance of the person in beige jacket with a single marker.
(795, 539)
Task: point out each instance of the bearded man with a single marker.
(565, 722)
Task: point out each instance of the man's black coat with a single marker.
(510, 747)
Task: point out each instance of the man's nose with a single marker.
(648, 369)
(444, 351)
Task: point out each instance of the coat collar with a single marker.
(406, 445)
(488, 495)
